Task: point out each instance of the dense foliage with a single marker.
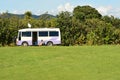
(84, 26)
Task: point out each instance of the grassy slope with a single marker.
(60, 63)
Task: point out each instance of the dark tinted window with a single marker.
(53, 33)
(26, 34)
(19, 36)
(43, 33)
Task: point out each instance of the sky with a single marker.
(105, 7)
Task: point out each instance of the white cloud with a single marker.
(53, 12)
(104, 10)
(15, 11)
(38, 12)
(109, 10)
(67, 7)
(115, 12)
(18, 12)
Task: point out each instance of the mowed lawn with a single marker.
(60, 63)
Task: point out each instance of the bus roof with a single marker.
(40, 29)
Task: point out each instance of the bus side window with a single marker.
(54, 33)
(19, 35)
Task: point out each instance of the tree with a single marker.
(85, 12)
(65, 24)
(112, 20)
(99, 31)
(28, 14)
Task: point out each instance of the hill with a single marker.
(7, 15)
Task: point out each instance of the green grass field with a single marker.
(60, 63)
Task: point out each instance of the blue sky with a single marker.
(105, 7)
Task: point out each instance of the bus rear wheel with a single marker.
(25, 44)
(49, 43)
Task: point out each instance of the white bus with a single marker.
(38, 36)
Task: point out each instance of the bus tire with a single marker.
(24, 44)
(49, 43)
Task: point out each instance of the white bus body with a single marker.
(35, 36)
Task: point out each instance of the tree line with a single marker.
(84, 26)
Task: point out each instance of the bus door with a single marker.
(34, 38)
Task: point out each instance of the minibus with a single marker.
(38, 36)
